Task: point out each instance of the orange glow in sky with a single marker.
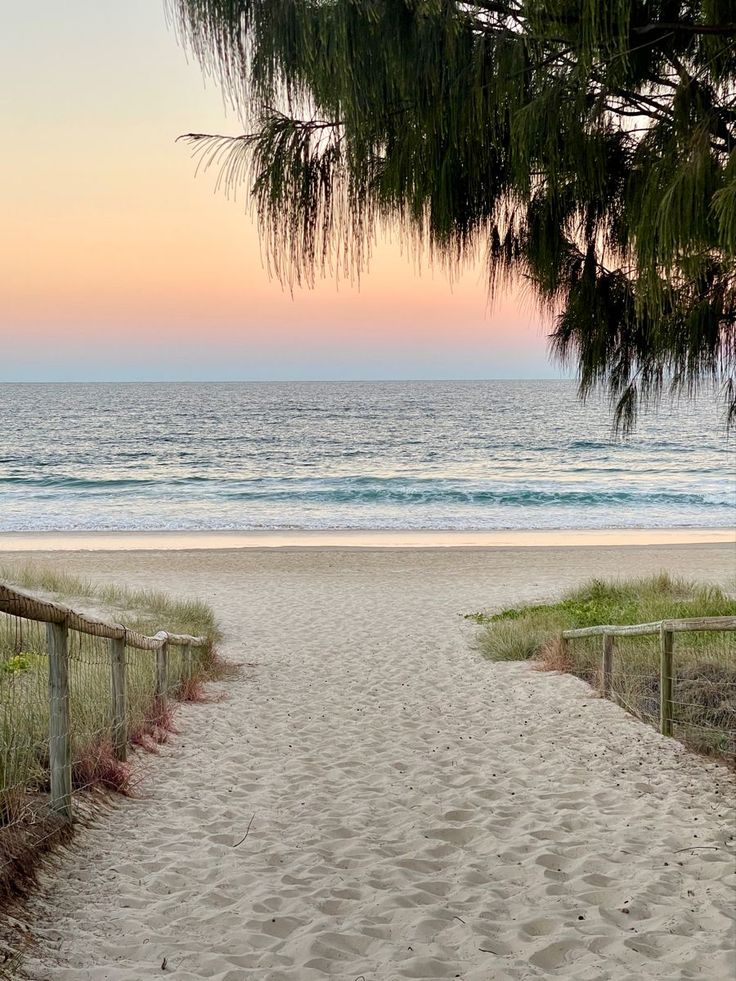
(117, 262)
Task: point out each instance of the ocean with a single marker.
(353, 455)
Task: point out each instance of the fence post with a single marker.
(162, 657)
(666, 640)
(187, 654)
(60, 739)
(607, 674)
(119, 729)
(564, 647)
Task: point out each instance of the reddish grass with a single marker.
(554, 656)
(97, 766)
(29, 832)
(194, 690)
(25, 844)
(217, 668)
(156, 728)
(191, 690)
(144, 740)
(11, 805)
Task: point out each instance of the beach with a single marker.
(367, 529)
(371, 799)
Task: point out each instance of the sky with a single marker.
(118, 262)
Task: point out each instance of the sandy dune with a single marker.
(414, 811)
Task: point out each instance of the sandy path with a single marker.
(417, 811)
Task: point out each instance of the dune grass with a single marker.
(704, 663)
(24, 705)
(145, 610)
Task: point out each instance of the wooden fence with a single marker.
(666, 629)
(59, 621)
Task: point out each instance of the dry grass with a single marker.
(145, 610)
(27, 829)
(555, 655)
(704, 663)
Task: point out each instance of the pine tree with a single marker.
(587, 147)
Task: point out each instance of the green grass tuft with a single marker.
(705, 663)
(620, 602)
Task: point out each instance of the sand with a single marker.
(412, 811)
(22, 541)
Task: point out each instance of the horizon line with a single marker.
(272, 381)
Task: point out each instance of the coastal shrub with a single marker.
(704, 663)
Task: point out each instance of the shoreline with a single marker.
(93, 541)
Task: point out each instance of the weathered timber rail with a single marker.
(666, 630)
(60, 620)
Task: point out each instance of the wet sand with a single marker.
(297, 538)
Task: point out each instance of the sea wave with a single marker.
(69, 482)
(367, 455)
(361, 491)
(365, 491)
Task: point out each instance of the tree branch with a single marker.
(724, 30)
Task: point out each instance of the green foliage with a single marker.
(705, 663)
(16, 664)
(518, 638)
(587, 147)
(479, 618)
(598, 603)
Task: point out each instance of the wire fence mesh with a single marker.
(24, 715)
(25, 709)
(704, 692)
(703, 702)
(90, 702)
(75, 691)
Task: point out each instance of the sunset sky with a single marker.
(119, 263)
